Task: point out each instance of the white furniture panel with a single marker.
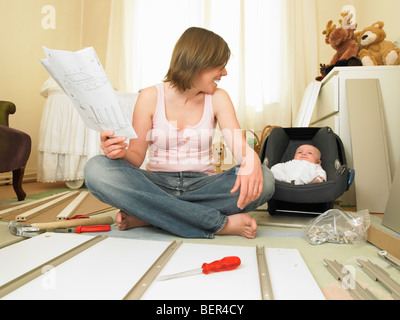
(333, 95)
(370, 155)
(328, 100)
(110, 268)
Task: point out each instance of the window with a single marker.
(251, 29)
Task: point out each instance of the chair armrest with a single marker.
(6, 108)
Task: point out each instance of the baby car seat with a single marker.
(280, 146)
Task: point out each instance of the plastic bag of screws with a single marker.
(336, 226)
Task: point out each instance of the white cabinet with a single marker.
(332, 109)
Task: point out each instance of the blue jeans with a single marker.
(187, 204)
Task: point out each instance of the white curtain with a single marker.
(300, 48)
(273, 44)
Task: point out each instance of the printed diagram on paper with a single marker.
(82, 77)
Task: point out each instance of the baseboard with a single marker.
(30, 175)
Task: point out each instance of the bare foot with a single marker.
(126, 221)
(241, 225)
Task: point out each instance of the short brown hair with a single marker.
(196, 49)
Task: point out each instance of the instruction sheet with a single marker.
(82, 77)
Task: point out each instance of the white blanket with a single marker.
(298, 172)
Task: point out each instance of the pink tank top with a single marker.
(175, 150)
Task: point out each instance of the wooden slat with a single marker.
(71, 208)
(30, 204)
(36, 211)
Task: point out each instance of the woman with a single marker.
(175, 122)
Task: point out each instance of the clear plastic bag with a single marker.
(336, 226)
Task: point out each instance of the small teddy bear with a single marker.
(218, 154)
(374, 49)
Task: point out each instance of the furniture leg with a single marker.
(18, 174)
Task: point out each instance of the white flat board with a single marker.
(239, 284)
(369, 145)
(290, 277)
(109, 269)
(25, 255)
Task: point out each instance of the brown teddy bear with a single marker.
(342, 40)
(374, 49)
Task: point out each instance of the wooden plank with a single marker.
(30, 204)
(73, 206)
(36, 211)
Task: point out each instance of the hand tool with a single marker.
(225, 264)
(79, 229)
(33, 229)
(78, 216)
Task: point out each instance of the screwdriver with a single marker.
(80, 229)
(225, 264)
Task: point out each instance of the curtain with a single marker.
(118, 64)
(273, 44)
(300, 48)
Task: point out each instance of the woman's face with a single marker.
(207, 80)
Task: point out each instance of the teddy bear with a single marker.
(374, 49)
(343, 41)
(218, 154)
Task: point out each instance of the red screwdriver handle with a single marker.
(225, 264)
(97, 228)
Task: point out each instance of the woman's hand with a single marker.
(113, 147)
(249, 180)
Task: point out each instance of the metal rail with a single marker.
(265, 281)
(341, 273)
(376, 273)
(145, 281)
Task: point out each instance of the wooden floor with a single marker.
(7, 191)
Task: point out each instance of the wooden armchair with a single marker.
(15, 148)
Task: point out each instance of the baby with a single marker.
(303, 169)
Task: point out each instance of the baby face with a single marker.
(308, 153)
